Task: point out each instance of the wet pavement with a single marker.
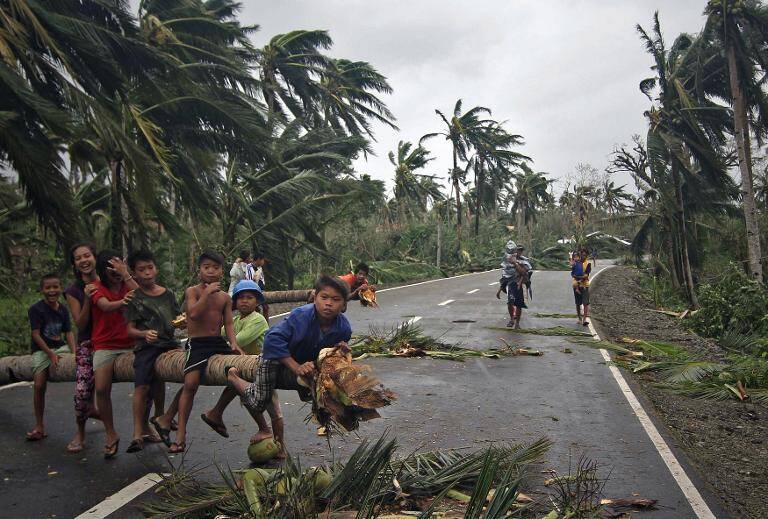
(571, 398)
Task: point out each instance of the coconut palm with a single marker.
(530, 193)
(462, 130)
(741, 29)
(614, 198)
(409, 190)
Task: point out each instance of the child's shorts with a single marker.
(102, 358)
(200, 349)
(516, 295)
(144, 365)
(41, 360)
(581, 296)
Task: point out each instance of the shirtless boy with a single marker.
(208, 309)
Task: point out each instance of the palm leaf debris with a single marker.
(555, 316)
(374, 481)
(740, 376)
(555, 331)
(409, 340)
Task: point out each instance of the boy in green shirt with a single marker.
(250, 328)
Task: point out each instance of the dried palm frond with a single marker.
(408, 340)
(556, 316)
(553, 331)
(368, 298)
(343, 393)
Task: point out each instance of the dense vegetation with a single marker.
(167, 128)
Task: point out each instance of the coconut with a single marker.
(321, 480)
(263, 451)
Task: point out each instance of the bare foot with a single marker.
(261, 435)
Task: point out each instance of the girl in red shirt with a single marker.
(109, 336)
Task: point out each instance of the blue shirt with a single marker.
(299, 335)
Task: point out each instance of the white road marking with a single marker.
(473, 291)
(122, 498)
(414, 319)
(689, 490)
(494, 283)
(446, 302)
(15, 384)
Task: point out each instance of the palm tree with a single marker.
(462, 130)
(741, 29)
(614, 198)
(530, 193)
(409, 190)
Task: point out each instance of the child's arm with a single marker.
(71, 341)
(119, 266)
(196, 303)
(254, 329)
(81, 314)
(38, 339)
(229, 328)
(135, 333)
(107, 306)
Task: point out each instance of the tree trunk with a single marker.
(479, 179)
(685, 257)
(169, 367)
(457, 188)
(439, 238)
(741, 134)
(116, 206)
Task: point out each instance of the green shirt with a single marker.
(249, 332)
(154, 313)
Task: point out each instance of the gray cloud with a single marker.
(563, 74)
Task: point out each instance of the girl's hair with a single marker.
(102, 262)
(79, 278)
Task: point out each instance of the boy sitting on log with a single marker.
(291, 348)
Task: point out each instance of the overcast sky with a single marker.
(563, 74)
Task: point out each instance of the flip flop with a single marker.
(135, 446)
(74, 448)
(165, 434)
(177, 448)
(151, 438)
(174, 425)
(35, 435)
(220, 428)
(110, 450)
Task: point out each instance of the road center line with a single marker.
(122, 498)
(446, 302)
(494, 283)
(473, 291)
(689, 490)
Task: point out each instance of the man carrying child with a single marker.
(292, 347)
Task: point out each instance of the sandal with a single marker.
(177, 448)
(174, 425)
(137, 444)
(219, 427)
(35, 435)
(110, 450)
(75, 447)
(151, 438)
(165, 434)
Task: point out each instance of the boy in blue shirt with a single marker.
(291, 348)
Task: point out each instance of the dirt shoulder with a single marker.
(727, 442)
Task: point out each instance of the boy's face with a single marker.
(583, 255)
(84, 260)
(210, 271)
(329, 302)
(145, 273)
(259, 262)
(360, 276)
(51, 290)
(247, 303)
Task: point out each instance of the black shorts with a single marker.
(516, 295)
(200, 349)
(144, 365)
(581, 296)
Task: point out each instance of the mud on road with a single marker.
(726, 441)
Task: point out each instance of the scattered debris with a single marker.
(567, 350)
(464, 321)
(553, 331)
(368, 298)
(556, 316)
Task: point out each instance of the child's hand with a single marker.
(306, 370)
(89, 289)
(119, 266)
(151, 336)
(238, 350)
(54, 360)
(498, 293)
(212, 288)
(127, 298)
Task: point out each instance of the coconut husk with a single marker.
(368, 298)
(344, 394)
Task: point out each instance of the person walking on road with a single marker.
(580, 271)
(238, 272)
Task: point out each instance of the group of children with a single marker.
(118, 307)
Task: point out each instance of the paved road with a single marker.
(570, 398)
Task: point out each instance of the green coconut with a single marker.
(321, 480)
(254, 484)
(263, 451)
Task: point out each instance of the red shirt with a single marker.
(351, 280)
(110, 330)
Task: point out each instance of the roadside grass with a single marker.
(14, 324)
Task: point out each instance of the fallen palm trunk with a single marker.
(287, 296)
(169, 368)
